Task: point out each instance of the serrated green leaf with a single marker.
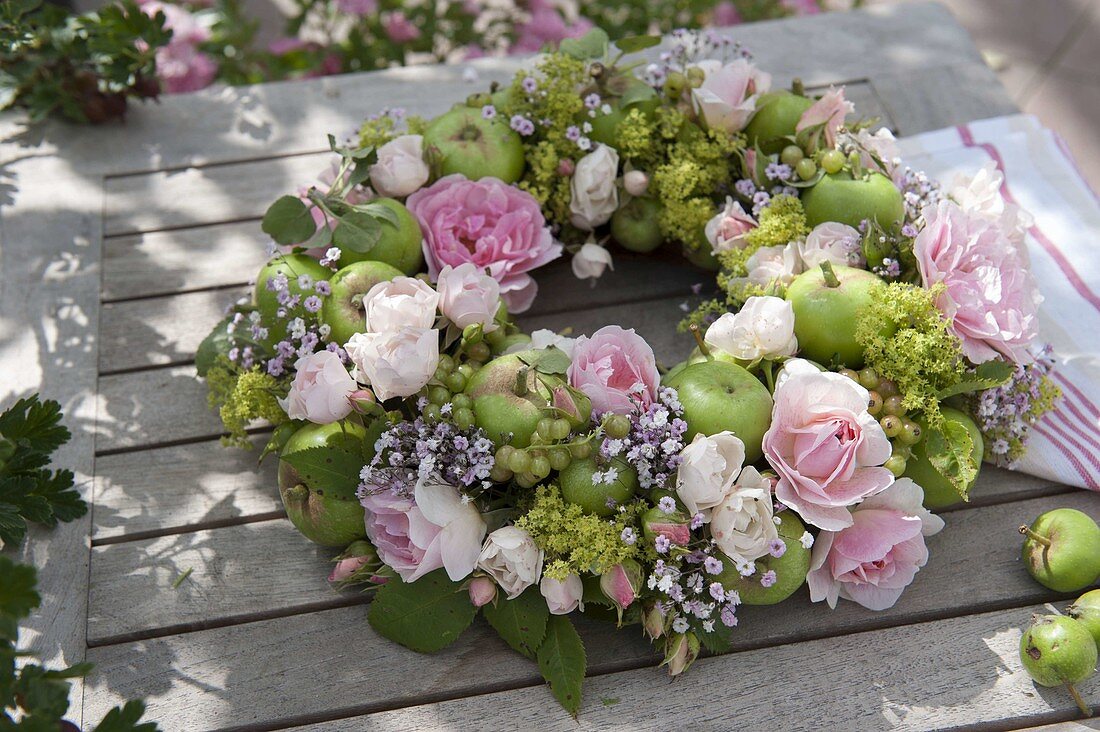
(562, 662)
(380, 211)
(357, 232)
(591, 45)
(520, 622)
(636, 94)
(717, 641)
(57, 488)
(987, 376)
(426, 615)
(950, 450)
(19, 596)
(289, 221)
(633, 44)
(126, 719)
(332, 469)
(35, 424)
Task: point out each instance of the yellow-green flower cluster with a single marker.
(907, 340)
(783, 221)
(241, 398)
(575, 541)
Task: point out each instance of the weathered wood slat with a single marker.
(187, 485)
(1087, 725)
(266, 567)
(962, 673)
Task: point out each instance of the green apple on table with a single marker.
(1062, 550)
(400, 246)
(827, 302)
(851, 200)
(634, 225)
(291, 266)
(465, 142)
(578, 486)
(777, 114)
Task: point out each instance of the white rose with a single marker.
(980, 195)
(708, 468)
(590, 261)
(400, 169)
(544, 338)
(458, 527)
(403, 302)
(397, 363)
(320, 389)
(728, 228)
(562, 597)
(595, 195)
(511, 558)
(763, 328)
(635, 182)
(831, 242)
(742, 525)
(774, 264)
(468, 296)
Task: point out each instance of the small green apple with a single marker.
(1086, 610)
(938, 491)
(826, 312)
(777, 115)
(634, 226)
(1062, 550)
(292, 266)
(506, 342)
(718, 396)
(840, 197)
(326, 517)
(399, 246)
(790, 569)
(475, 147)
(343, 309)
(1059, 651)
(578, 487)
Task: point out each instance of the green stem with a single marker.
(1085, 710)
(797, 87)
(1039, 538)
(827, 272)
(698, 335)
(769, 375)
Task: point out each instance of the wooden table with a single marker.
(121, 247)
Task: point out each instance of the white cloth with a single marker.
(1064, 244)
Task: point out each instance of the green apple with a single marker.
(702, 256)
(721, 396)
(467, 143)
(938, 491)
(827, 309)
(790, 569)
(1086, 610)
(1058, 651)
(605, 127)
(399, 246)
(578, 487)
(777, 114)
(343, 309)
(634, 226)
(506, 342)
(1062, 550)
(696, 356)
(840, 197)
(330, 517)
(510, 397)
(293, 266)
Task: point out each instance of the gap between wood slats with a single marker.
(222, 163)
(173, 293)
(174, 443)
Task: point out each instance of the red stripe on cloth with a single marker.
(1087, 428)
(1077, 466)
(1061, 143)
(1051, 249)
(1085, 401)
(1085, 443)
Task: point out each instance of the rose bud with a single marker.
(482, 591)
(363, 401)
(673, 526)
(653, 622)
(358, 555)
(574, 405)
(621, 584)
(566, 167)
(635, 182)
(681, 650)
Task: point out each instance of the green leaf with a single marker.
(591, 45)
(289, 221)
(520, 622)
(636, 94)
(717, 641)
(19, 597)
(950, 450)
(633, 44)
(34, 424)
(562, 662)
(357, 232)
(426, 615)
(987, 376)
(216, 343)
(551, 360)
(380, 211)
(332, 469)
(126, 719)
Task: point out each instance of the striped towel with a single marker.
(1064, 244)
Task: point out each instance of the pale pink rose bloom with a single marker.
(831, 242)
(991, 298)
(562, 596)
(742, 525)
(590, 261)
(497, 227)
(616, 370)
(545, 338)
(396, 363)
(778, 264)
(593, 193)
(482, 591)
(399, 29)
(435, 529)
(829, 111)
(873, 560)
(726, 100)
(728, 228)
(980, 195)
(400, 169)
(709, 465)
(881, 144)
(825, 446)
(320, 390)
(399, 303)
(181, 66)
(511, 557)
(468, 297)
(762, 328)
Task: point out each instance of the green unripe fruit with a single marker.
(910, 432)
(399, 245)
(1058, 650)
(635, 225)
(827, 310)
(896, 465)
(456, 381)
(439, 395)
(580, 450)
(894, 405)
(545, 426)
(464, 418)
(832, 161)
(616, 426)
(1062, 550)
(465, 142)
(433, 413)
(1086, 610)
(559, 429)
(840, 197)
(777, 115)
(806, 168)
(868, 378)
(519, 462)
(791, 155)
(540, 467)
(938, 491)
(578, 486)
(790, 569)
(891, 425)
(461, 401)
(560, 459)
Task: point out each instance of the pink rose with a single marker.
(395, 363)
(399, 303)
(831, 242)
(873, 560)
(357, 7)
(400, 169)
(828, 111)
(468, 297)
(434, 529)
(616, 369)
(547, 26)
(825, 446)
(768, 265)
(181, 66)
(991, 298)
(727, 229)
(725, 13)
(726, 100)
(399, 29)
(495, 226)
(320, 389)
(562, 596)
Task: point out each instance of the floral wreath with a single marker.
(872, 336)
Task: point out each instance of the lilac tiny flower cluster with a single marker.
(918, 191)
(760, 198)
(689, 47)
(654, 442)
(410, 451)
(522, 125)
(692, 594)
(1006, 413)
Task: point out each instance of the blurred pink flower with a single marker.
(547, 26)
(725, 13)
(357, 7)
(399, 28)
(181, 66)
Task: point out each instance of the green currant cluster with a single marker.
(805, 167)
(553, 448)
(885, 403)
(446, 387)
